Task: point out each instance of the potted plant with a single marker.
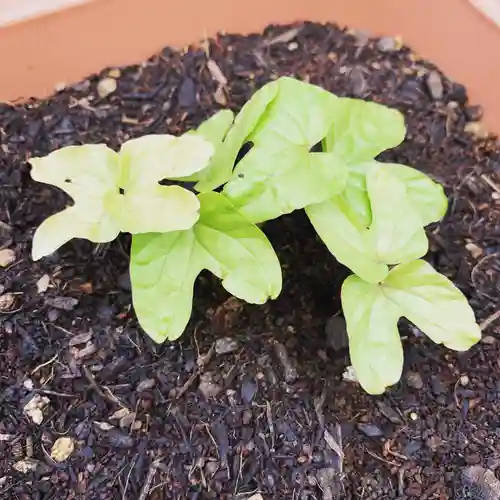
(335, 183)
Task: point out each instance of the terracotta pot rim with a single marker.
(56, 48)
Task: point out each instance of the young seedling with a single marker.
(308, 150)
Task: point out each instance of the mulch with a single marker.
(251, 400)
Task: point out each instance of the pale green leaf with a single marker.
(338, 226)
(149, 159)
(273, 183)
(164, 267)
(115, 192)
(146, 206)
(249, 117)
(433, 303)
(396, 233)
(426, 196)
(355, 194)
(222, 164)
(153, 209)
(374, 343)
(213, 130)
(413, 290)
(280, 174)
(300, 114)
(362, 227)
(71, 223)
(361, 129)
(88, 174)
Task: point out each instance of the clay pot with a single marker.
(45, 43)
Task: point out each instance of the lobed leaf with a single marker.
(214, 130)
(164, 267)
(361, 226)
(150, 159)
(374, 343)
(338, 226)
(396, 233)
(280, 173)
(115, 192)
(361, 129)
(235, 136)
(433, 303)
(413, 290)
(277, 182)
(426, 196)
(355, 194)
(88, 174)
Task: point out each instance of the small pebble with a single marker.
(433, 443)
(63, 303)
(480, 483)
(414, 490)
(477, 129)
(389, 413)
(473, 459)
(473, 113)
(458, 93)
(53, 315)
(187, 94)
(62, 449)
(117, 439)
(411, 448)
(106, 87)
(7, 257)
(7, 301)
(225, 345)
(26, 466)
(114, 73)
(5, 233)
(387, 44)
(362, 37)
(414, 380)
(282, 354)
(81, 338)
(357, 82)
(489, 340)
(145, 385)
(350, 374)
(336, 333)
(246, 417)
(208, 387)
(43, 283)
(248, 390)
(211, 468)
(435, 85)
(475, 251)
(370, 430)
(437, 386)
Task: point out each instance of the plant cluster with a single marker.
(309, 150)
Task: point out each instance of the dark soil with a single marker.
(252, 399)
